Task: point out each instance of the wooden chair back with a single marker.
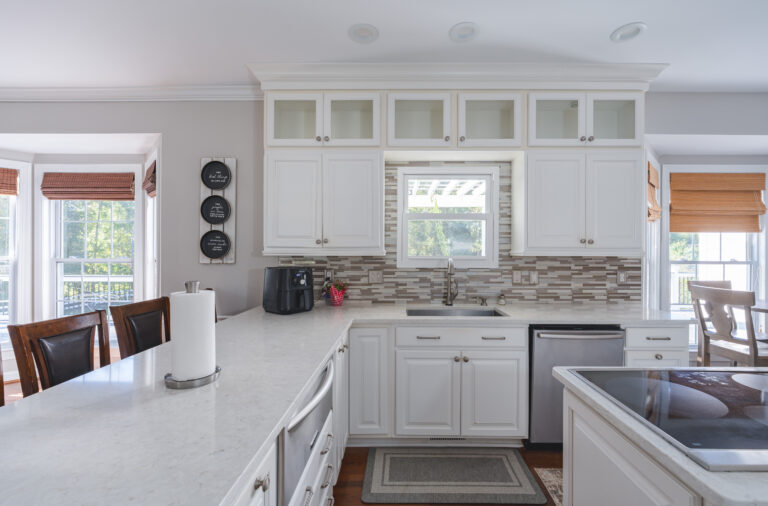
(142, 325)
(59, 349)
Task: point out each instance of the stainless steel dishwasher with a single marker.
(565, 345)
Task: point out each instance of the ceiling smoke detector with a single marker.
(463, 32)
(363, 33)
(628, 31)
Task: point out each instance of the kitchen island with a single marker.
(648, 437)
(117, 435)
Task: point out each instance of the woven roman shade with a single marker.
(702, 202)
(150, 177)
(9, 182)
(88, 186)
(654, 209)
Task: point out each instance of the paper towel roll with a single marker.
(193, 334)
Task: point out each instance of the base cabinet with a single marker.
(261, 489)
(341, 400)
(369, 381)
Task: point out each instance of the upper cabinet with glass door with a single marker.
(585, 119)
(419, 119)
(490, 119)
(323, 119)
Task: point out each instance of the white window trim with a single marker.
(492, 228)
(761, 287)
(45, 236)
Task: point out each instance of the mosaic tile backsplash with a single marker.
(560, 279)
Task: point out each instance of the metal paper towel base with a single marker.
(175, 384)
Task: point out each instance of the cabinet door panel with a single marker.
(351, 119)
(615, 207)
(615, 119)
(490, 119)
(494, 394)
(368, 381)
(427, 393)
(292, 200)
(419, 119)
(353, 193)
(556, 119)
(555, 195)
(657, 358)
(294, 119)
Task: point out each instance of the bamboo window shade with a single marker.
(705, 202)
(9, 182)
(654, 209)
(150, 178)
(88, 186)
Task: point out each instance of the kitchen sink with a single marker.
(453, 312)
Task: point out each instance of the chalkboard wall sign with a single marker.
(216, 175)
(218, 209)
(215, 210)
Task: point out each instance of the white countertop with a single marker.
(118, 436)
(717, 488)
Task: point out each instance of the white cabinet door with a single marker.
(615, 119)
(351, 119)
(657, 358)
(261, 488)
(490, 119)
(419, 119)
(555, 199)
(294, 119)
(556, 119)
(353, 200)
(494, 394)
(369, 381)
(292, 200)
(341, 400)
(615, 205)
(427, 393)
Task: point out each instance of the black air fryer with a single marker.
(288, 290)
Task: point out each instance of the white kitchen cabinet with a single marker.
(657, 347)
(341, 400)
(585, 119)
(583, 204)
(656, 358)
(323, 119)
(419, 119)
(490, 119)
(323, 203)
(369, 373)
(261, 488)
(427, 393)
(494, 387)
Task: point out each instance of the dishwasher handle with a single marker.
(580, 334)
(312, 404)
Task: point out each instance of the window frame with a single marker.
(491, 217)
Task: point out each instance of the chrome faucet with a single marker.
(451, 285)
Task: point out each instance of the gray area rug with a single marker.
(449, 475)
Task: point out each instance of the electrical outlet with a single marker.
(329, 274)
(375, 277)
(621, 277)
(517, 277)
(533, 277)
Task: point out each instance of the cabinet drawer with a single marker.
(656, 358)
(308, 490)
(514, 337)
(657, 337)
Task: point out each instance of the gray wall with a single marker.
(190, 130)
(707, 113)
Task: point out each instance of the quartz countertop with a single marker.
(118, 436)
(716, 487)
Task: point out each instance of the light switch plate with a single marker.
(517, 277)
(534, 277)
(621, 277)
(375, 277)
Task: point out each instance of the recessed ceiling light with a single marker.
(463, 32)
(363, 33)
(628, 31)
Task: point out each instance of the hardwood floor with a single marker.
(349, 488)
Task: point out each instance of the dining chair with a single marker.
(142, 325)
(54, 351)
(718, 329)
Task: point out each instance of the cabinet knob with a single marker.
(447, 138)
(466, 359)
(658, 356)
(456, 359)
(341, 349)
(318, 241)
(462, 138)
(318, 138)
(591, 241)
(325, 241)
(261, 483)
(591, 138)
(583, 138)
(326, 138)
(582, 241)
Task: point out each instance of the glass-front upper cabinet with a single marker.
(490, 119)
(419, 119)
(585, 119)
(317, 119)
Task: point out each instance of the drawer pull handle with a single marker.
(658, 356)
(649, 338)
(328, 445)
(328, 476)
(428, 337)
(491, 338)
(330, 501)
(261, 483)
(307, 497)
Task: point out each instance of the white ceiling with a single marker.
(712, 45)
(79, 144)
(708, 145)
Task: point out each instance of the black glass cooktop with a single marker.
(713, 415)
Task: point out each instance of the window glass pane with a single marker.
(95, 269)
(121, 290)
(72, 269)
(122, 269)
(443, 238)
(99, 239)
(73, 240)
(708, 246)
(98, 210)
(738, 275)
(122, 211)
(680, 246)
(734, 247)
(680, 275)
(446, 195)
(5, 206)
(74, 210)
(5, 237)
(122, 240)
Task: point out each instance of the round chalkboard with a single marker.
(215, 210)
(215, 244)
(216, 175)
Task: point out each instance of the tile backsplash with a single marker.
(560, 279)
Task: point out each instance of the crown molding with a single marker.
(577, 76)
(133, 94)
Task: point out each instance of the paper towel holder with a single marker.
(175, 384)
